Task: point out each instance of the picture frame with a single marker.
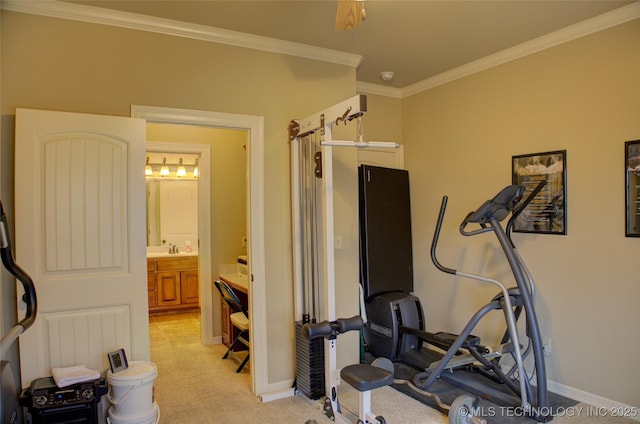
(547, 212)
(632, 188)
(118, 361)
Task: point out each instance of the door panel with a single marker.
(189, 287)
(80, 219)
(93, 331)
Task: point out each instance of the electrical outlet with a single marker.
(546, 347)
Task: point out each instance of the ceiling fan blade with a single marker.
(349, 14)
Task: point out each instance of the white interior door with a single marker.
(80, 234)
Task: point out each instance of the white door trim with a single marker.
(255, 218)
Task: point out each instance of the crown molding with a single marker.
(63, 10)
(599, 23)
(382, 90)
(96, 15)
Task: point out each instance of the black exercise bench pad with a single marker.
(365, 377)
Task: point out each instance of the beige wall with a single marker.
(383, 120)
(583, 96)
(72, 66)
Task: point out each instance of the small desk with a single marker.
(236, 282)
(240, 286)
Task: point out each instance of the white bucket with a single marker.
(131, 390)
(150, 417)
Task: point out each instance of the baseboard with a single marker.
(279, 390)
(212, 340)
(268, 397)
(599, 406)
(602, 407)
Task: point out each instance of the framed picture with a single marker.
(118, 361)
(632, 179)
(546, 213)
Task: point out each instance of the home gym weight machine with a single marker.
(314, 262)
(362, 377)
(396, 325)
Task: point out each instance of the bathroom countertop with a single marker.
(236, 281)
(170, 255)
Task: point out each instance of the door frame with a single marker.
(255, 224)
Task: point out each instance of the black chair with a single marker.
(239, 319)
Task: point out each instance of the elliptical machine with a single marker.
(396, 326)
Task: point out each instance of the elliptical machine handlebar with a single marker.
(436, 235)
(497, 208)
(29, 296)
(463, 226)
(331, 329)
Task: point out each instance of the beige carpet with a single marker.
(194, 385)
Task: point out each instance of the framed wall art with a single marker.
(546, 213)
(632, 181)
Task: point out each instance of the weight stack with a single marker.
(309, 365)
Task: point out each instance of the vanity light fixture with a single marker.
(181, 172)
(164, 170)
(147, 169)
(170, 170)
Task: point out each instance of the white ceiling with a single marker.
(416, 39)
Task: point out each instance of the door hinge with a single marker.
(318, 160)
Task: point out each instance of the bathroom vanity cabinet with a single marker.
(173, 283)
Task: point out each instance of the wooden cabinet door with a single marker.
(189, 291)
(168, 288)
(151, 289)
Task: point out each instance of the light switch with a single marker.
(337, 241)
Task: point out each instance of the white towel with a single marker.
(71, 375)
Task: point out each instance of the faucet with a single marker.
(173, 249)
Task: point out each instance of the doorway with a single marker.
(178, 212)
(253, 125)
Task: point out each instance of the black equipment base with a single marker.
(46, 403)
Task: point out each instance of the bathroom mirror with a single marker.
(172, 212)
(172, 198)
